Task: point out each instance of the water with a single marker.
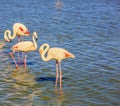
(89, 29)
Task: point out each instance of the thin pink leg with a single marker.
(18, 51)
(60, 77)
(56, 74)
(18, 56)
(25, 60)
(18, 38)
(11, 54)
(22, 52)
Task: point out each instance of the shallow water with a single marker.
(89, 29)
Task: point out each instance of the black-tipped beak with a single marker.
(7, 41)
(36, 39)
(10, 41)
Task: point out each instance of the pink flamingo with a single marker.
(57, 54)
(19, 30)
(59, 4)
(25, 46)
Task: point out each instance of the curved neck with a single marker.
(34, 42)
(8, 34)
(45, 48)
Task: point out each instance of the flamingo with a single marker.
(57, 54)
(19, 30)
(59, 4)
(25, 46)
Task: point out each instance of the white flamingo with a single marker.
(57, 54)
(19, 30)
(25, 46)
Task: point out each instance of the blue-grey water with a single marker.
(90, 29)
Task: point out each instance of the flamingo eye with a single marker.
(20, 28)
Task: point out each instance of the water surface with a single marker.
(89, 29)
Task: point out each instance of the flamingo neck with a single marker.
(34, 42)
(8, 34)
(45, 48)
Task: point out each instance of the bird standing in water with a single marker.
(57, 54)
(25, 46)
(19, 30)
(59, 4)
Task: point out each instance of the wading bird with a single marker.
(59, 4)
(19, 30)
(25, 46)
(57, 54)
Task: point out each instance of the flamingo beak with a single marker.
(27, 33)
(36, 39)
(7, 41)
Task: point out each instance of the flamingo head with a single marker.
(6, 37)
(21, 29)
(35, 35)
(41, 50)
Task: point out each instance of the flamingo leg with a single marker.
(56, 74)
(18, 51)
(25, 60)
(60, 76)
(18, 56)
(22, 52)
(18, 38)
(11, 54)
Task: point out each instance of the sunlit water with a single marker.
(90, 29)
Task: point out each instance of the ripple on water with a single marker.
(89, 30)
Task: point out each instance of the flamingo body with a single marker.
(21, 30)
(25, 46)
(57, 54)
